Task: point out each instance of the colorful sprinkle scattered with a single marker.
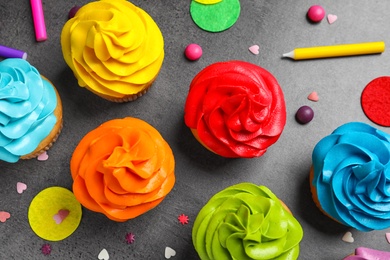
(4, 215)
(20, 187)
(313, 96)
(61, 216)
(46, 249)
(169, 252)
(348, 237)
(388, 237)
(332, 18)
(254, 49)
(130, 238)
(103, 255)
(43, 156)
(183, 219)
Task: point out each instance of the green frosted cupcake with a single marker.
(246, 221)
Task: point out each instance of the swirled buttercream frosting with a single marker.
(113, 47)
(246, 221)
(350, 176)
(235, 109)
(122, 169)
(27, 103)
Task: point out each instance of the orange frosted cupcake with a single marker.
(235, 109)
(30, 111)
(114, 48)
(122, 169)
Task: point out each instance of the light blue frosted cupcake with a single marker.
(30, 111)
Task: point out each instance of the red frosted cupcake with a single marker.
(235, 109)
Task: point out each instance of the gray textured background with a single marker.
(277, 27)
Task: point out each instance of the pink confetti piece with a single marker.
(61, 216)
(103, 255)
(348, 237)
(43, 156)
(130, 238)
(46, 249)
(332, 18)
(313, 96)
(388, 237)
(20, 187)
(169, 252)
(254, 49)
(4, 215)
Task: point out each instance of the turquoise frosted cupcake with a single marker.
(350, 176)
(30, 111)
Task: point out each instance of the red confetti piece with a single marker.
(183, 219)
(375, 101)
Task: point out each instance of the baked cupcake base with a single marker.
(126, 98)
(49, 140)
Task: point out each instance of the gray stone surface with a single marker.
(277, 27)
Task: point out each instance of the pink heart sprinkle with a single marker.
(43, 156)
(254, 49)
(61, 216)
(20, 187)
(313, 96)
(388, 237)
(4, 215)
(332, 18)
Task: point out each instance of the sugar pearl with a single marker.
(304, 114)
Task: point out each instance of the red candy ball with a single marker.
(304, 114)
(316, 13)
(193, 51)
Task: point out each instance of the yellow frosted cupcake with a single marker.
(114, 48)
(30, 111)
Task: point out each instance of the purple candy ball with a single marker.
(304, 114)
(73, 11)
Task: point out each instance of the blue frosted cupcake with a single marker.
(30, 111)
(350, 176)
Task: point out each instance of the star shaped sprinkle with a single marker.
(130, 238)
(183, 219)
(46, 249)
